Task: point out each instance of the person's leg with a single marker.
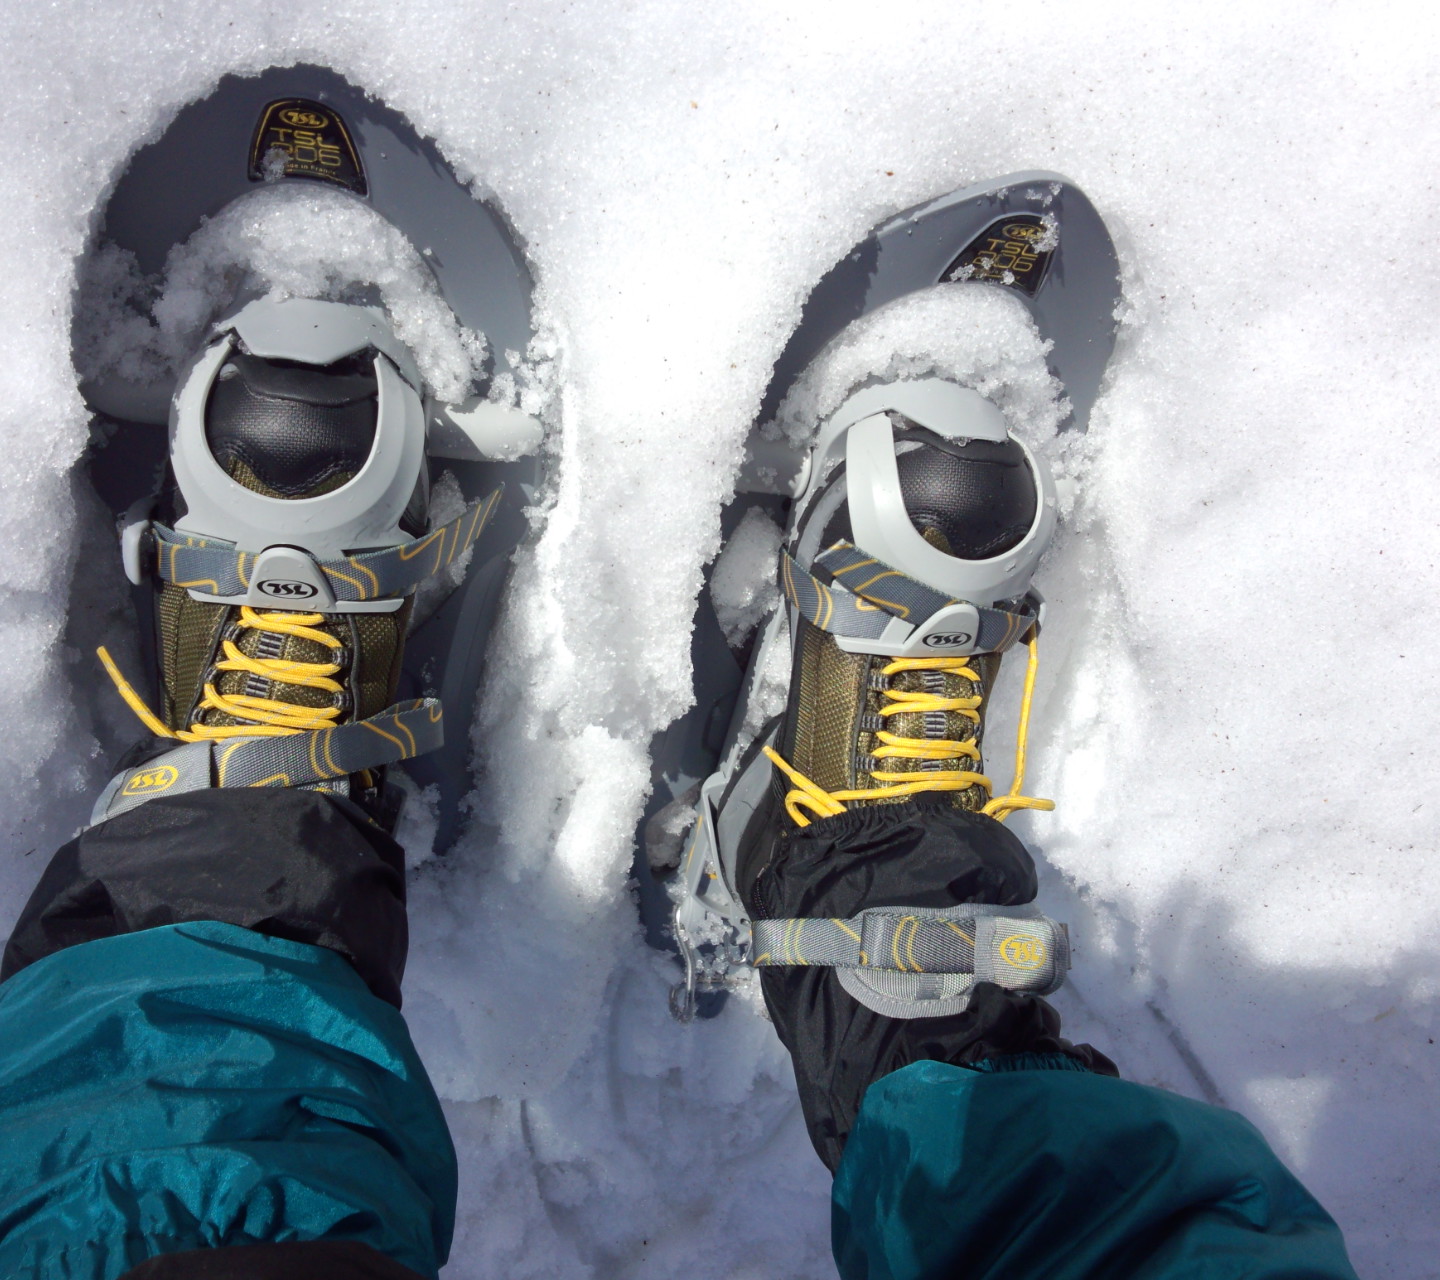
(1024, 1166)
(889, 911)
(201, 1048)
(200, 1038)
(923, 854)
(982, 1144)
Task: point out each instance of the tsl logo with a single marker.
(948, 639)
(304, 119)
(149, 782)
(1021, 952)
(282, 589)
(1025, 231)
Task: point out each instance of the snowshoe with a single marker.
(298, 539)
(914, 528)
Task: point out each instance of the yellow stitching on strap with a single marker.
(861, 590)
(200, 582)
(332, 572)
(175, 550)
(224, 762)
(951, 924)
(481, 511)
(414, 549)
(389, 737)
(695, 842)
(368, 571)
(402, 727)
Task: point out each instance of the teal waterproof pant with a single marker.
(1031, 1168)
(204, 1075)
(200, 1085)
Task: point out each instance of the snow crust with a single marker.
(1239, 672)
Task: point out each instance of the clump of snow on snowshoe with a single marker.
(290, 241)
(419, 820)
(742, 587)
(977, 335)
(447, 501)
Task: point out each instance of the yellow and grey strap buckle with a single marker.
(1013, 947)
(285, 577)
(869, 606)
(402, 732)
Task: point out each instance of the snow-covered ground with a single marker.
(1239, 684)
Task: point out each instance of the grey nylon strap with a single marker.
(220, 567)
(872, 592)
(1018, 951)
(293, 760)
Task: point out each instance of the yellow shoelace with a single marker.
(808, 795)
(266, 717)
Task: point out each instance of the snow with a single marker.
(981, 337)
(294, 241)
(1238, 675)
(743, 588)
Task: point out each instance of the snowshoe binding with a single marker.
(304, 572)
(906, 574)
(286, 562)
